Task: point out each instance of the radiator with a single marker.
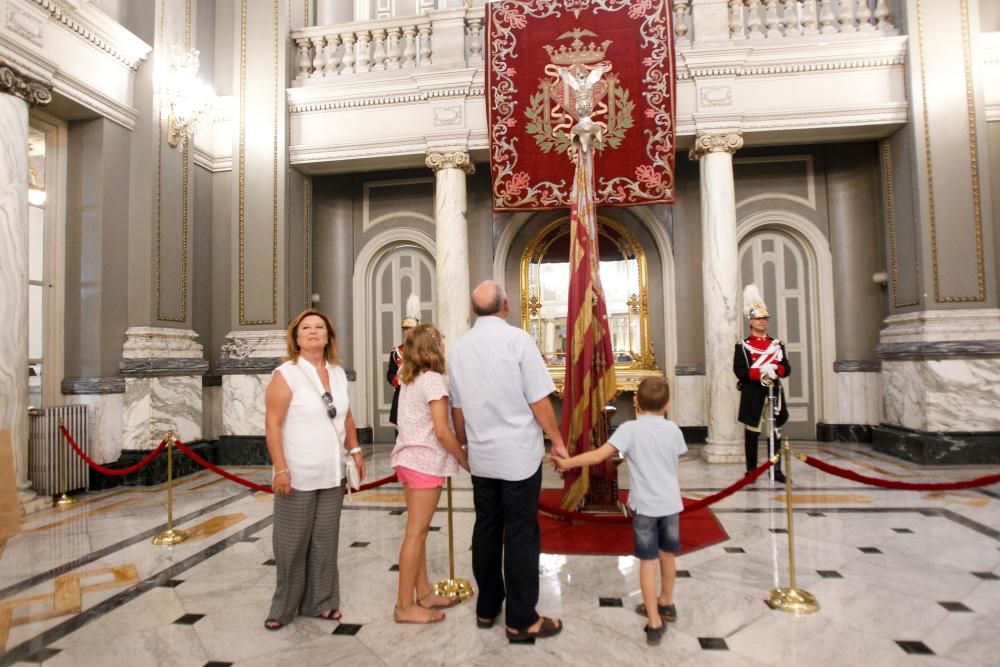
(50, 457)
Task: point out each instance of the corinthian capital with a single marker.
(438, 160)
(14, 82)
(715, 143)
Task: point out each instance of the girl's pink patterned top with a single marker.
(417, 447)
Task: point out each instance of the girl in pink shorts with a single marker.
(426, 452)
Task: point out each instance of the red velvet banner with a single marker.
(532, 107)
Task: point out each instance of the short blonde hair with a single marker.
(331, 352)
(421, 352)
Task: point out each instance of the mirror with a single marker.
(545, 293)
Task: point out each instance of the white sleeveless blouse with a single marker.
(313, 442)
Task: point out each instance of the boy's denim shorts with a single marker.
(654, 534)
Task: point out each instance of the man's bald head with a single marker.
(489, 298)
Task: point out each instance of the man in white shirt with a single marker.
(500, 403)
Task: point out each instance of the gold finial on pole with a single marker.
(170, 537)
(64, 500)
(792, 599)
(451, 585)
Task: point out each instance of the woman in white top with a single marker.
(308, 423)
(426, 452)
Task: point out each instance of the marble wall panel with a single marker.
(687, 400)
(243, 404)
(211, 418)
(963, 394)
(942, 395)
(903, 396)
(106, 415)
(153, 406)
(859, 397)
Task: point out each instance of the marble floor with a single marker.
(903, 578)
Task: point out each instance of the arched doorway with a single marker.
(780, 267)
(402, 270)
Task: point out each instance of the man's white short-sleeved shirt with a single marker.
(496, 372)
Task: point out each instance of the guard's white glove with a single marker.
(769, 370)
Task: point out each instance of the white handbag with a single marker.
(351, 474)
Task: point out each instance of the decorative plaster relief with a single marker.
(21, 23)
(716, 96)
(438, 160)
(448, 116)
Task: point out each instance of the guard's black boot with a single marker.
(750, 449)
(779, 476)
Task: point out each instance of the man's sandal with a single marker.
(273, 624)
(549, 628)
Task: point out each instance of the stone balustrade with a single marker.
(408, 43)
(400, 43)
(777, 19)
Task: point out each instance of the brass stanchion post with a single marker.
(64, 500)
(170, 537)
(792, 599)
(451, 585)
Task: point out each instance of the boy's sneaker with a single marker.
(654, 635)
(668, 612)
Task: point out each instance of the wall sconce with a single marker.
(36, 191)
(186, 97)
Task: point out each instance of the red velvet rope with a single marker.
(219, 471)
(260, 487)
(910, 486)
(716, 497)
(584, 517)
(111, 471)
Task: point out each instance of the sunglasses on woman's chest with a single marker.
(331, 409)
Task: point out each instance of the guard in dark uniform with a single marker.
(411, 320)
(759, 362)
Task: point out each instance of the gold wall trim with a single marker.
(891, 216)
(536, 249)
(970, 102)
(307, 239)
(185, 189)
(242, 169)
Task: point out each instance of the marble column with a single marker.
(17, 91)
(721, 290)
(452, 240)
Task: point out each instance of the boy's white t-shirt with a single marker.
(652, 445)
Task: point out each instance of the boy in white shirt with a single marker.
(652, 446)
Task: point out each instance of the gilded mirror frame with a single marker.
(644, 359)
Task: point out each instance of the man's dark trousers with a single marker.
(506, 541)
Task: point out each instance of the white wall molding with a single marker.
(822, 337)
(364, 266)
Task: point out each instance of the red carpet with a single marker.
(698, 530)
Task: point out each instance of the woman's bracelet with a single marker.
(279, 472)
(353, 450)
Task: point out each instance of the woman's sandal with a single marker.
(434, 616)
(485, 623)
(548, 628)
(330, 615)
(452, 600)
(273, 624)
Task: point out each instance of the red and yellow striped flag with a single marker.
(590, 368)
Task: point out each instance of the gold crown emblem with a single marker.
(578, 53)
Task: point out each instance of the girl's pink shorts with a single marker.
(418, 480)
